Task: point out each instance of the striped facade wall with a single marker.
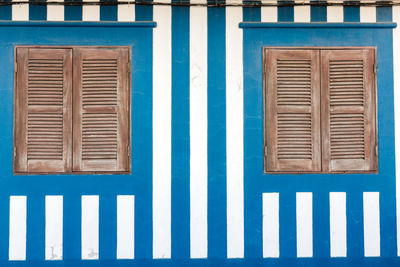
(195, 160)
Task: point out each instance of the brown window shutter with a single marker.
(292, 107)
(43, 103)
(101, 109)
(348, 110)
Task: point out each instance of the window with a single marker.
(320, 110)
(72, 109)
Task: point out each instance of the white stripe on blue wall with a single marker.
(90, 228)
(17, 227)
(20, 11)
(234, 133)
(367, 14)
(372, 237)
(198, 130)
(334, 14)
(269, 13)
(271, 225)
(162, 132)
(338, 224)
(126, 12)
(55, 12)
(54, 228)
(91, 12)
(396, 70)
(302, 13)
(304, 224)
(125, 227)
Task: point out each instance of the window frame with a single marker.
(375, 102)
(129, 106)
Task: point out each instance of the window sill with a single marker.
(316, 25)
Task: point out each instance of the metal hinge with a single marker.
(265, 150)
(129, 67)
(15, 152)
(375, 69)
(376, 150)
(128, 148)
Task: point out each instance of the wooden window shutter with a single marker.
(43, 103)
(101, 109)
(292, 107)
(348, 126)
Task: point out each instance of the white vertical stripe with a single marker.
(367, 14)
(269, 13)
(55, 12)
(90, 227)
(17, 239)
(234, 133)
(338, 224)
(271, 225)
(334, 13)
(304, 223)
(162, 132)
(54, 228)
(396, 70)
(91, 12)
(372, 236)
(125, 227)
(198, 131)
(302, 13)
(126, 12)
(20, 11)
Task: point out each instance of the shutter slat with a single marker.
(292, 118)
(348, 110)
(43, 114)
(101, 112)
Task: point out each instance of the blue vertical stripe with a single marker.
(383, 14)
(143, 12)
(109, 12)
(180, 194)
(5, 11)
(4, 225)
(251, 13)
(285, 13)
(287, 225)
(252, 195)
(355, 228)
(72, 13)
(142, 136)
(318, 14)
(216, 134)
(35, 227)
(107, 226)
(351, 14)
(72, 227)
(37, 11)
(321, 236)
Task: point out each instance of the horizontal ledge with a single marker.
(133, 24)
(316, 25)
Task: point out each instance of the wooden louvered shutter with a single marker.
(101, 109)
(348, 126)
(292, 107)
(43, 97)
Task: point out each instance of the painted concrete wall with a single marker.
(197, 193)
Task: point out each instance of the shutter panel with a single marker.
(101, 109)
(348, 110)
(292, 119)
(43, 125)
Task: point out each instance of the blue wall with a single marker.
(139, 183)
